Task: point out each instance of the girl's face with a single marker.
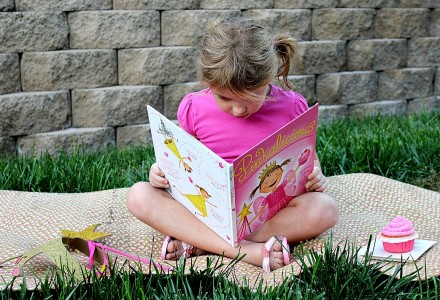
(240, 108)
(271, 181)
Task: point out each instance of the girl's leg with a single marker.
(159, 210)
(305, 217)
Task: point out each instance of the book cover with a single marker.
(236, 198)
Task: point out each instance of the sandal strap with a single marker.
(268, 246)
(188, 249)
(266, 254)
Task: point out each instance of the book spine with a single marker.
(233, 207)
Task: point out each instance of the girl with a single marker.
(238, 61)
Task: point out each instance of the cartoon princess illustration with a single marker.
(199, 200)
(171, 144)
(280, 193)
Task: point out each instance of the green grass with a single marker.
(403, 148)
(335, 274)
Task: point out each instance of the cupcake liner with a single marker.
(399, 247)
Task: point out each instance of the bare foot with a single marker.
(272, 255)
(175, 249)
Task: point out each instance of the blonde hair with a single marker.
(240, 55)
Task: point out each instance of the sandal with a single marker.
(187, 249)
(268, 246)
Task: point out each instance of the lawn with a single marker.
(405, 148)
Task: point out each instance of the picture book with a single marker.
(234, 199)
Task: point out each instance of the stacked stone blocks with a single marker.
(83, 71)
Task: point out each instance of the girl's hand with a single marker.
(317, 181)
(157, 177)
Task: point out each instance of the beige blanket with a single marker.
(367, 203)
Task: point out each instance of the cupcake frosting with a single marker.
(399, 226)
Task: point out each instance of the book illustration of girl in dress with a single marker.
(171, 144)
(280, 192)
(199, 200)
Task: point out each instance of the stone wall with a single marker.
(83, 71)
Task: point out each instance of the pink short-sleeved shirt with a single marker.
(228, 136)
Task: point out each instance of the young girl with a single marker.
(238, 61)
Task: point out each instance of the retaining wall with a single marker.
(83, 71)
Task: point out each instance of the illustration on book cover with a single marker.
(272, 192)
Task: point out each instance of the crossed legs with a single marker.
(305, 217)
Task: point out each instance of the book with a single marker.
(235, 199)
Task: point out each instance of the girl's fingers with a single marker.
(319, 183)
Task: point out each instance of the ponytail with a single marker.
(285, 48)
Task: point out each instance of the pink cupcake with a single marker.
(398, 236)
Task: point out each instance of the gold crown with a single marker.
(269, 167)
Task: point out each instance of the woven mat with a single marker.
(367, 203)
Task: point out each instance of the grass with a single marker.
(335, 274)
(403, 148)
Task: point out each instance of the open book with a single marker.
(234, 199)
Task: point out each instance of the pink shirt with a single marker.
(228, 136)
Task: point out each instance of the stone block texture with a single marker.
(156, 4)
(174, 93)
(376, 54)
(342, 24)
(235, 4)
(437, 81)
(9, 73)
(84, 71)
(423, 104)
(135, 135)
(407, 83)
(195, 23)
(318, 57)
(7, 145)
(68, 69)
(305, 3)
(434, 28)
(27, 113)
(62, 5)
(402, 23)
(294, 22)
(33, 31)
(94, 139)
(113, 106)
(347, 87)
(114, 29)
(424, 52)
(384, 108)
(158, 65)
(368, 3)
(6, 5)
(330, 113)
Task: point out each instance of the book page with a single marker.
(198, 177)
(274, 171)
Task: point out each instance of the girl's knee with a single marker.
(325, 210)
(136, 196)
(329, 209)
